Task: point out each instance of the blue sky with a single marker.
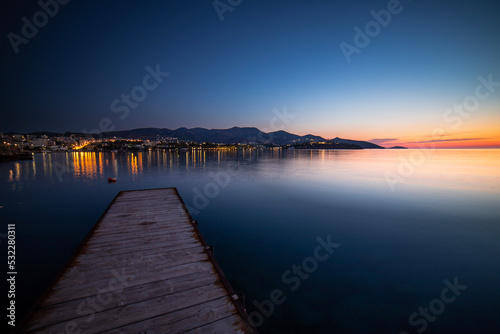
(263, 55)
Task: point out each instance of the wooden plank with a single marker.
(135, 242)
(133, 276)
(172, 235)
(61, 293)
(147, 227)
(229, 325)
(181, 321)
(162, 247)
(182, 256)
(120, 316)
(144, 267)
(112, 299)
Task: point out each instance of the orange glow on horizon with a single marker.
(485, 136)
(478, 130)
(461, 144)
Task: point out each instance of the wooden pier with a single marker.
(143, 268)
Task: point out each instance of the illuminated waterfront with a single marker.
(263, 210)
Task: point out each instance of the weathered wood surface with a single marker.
(144, 267)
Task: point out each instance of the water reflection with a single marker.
(442, 221)
(458, 169)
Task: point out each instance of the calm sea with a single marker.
(370, 241)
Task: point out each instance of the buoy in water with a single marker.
(111, 179)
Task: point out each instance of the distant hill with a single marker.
(363, 144)
(326, 146)
(242, 135)
(398, 148)
(314, 138)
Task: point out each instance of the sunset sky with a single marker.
(421, 79)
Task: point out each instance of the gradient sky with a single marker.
(264, 57)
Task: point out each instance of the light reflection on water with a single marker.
(397, 247)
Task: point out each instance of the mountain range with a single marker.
(243, 135)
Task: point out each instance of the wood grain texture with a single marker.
(144, 267)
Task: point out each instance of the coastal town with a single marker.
(44, 143)
(22, 146)
(18, 146)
